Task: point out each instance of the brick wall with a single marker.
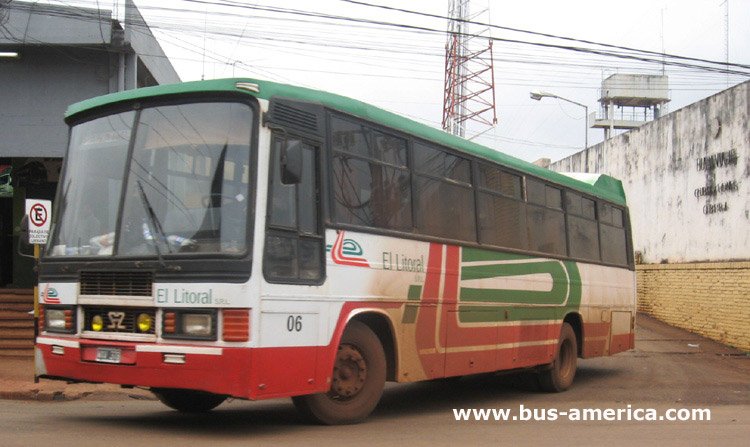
(16, 325)
(711, 299)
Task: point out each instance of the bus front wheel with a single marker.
(188, 401)
(356, 383)
(559, 377)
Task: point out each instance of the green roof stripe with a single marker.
(599, 185)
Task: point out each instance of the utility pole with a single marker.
(469, 93)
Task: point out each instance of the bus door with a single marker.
(293, 267)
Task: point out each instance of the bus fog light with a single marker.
(197, 324)
(144, 322)
(97, 323)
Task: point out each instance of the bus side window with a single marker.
(583, 230)
(544, 217)
(612, 235)
(293, 249)
(443, 194)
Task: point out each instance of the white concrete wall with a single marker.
(687, 179)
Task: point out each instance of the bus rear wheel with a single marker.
(559, 377)
(356, 383)
(188, 401)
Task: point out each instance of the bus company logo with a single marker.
(347, 252)
(49, 296)
(350, 247)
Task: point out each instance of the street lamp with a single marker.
(539, 95)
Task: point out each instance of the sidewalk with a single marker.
(17, 382)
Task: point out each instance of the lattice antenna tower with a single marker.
(469, 94)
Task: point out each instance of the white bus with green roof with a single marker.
(248, 239)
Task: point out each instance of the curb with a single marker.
(35, 392)
(43, 396)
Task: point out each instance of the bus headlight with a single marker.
(59, 319)
(197, 324)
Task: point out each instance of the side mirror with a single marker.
(291, 163)
(23, 239)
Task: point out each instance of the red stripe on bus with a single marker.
(472, 362)
(594, 348)
(595, 329)
(433, 363)
(621, 342)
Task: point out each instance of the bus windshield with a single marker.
(160, 181)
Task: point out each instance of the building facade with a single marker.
(687, 179)
(53, 56)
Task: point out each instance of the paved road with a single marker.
(667, 371)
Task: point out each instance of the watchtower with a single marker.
(630, 100)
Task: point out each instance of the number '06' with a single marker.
(294, 323)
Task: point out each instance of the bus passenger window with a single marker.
(582, 228)
(612, 235)
(501, 182)
(535, 192)
(544, 218)
(444, 195)
(502, 221)
(371, 182)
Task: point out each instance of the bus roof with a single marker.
(600, 185)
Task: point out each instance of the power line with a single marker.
(518, 41)
(362, 47)
(536, 33)
(521, 58)
(641, 55)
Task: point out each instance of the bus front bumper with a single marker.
(219, 370)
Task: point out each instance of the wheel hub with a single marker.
(349, 373)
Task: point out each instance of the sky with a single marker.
(399, 65)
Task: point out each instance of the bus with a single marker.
(248, 239)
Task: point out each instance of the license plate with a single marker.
(108, 355)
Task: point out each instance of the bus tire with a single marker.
(357, 380)
(559, 377)
(188, 401)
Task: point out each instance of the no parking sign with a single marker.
(39, 212)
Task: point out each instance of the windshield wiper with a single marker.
(154, 225)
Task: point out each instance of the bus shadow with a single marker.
(399, 400)
(486, 391)
(235, 418)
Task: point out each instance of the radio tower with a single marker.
(469, 73)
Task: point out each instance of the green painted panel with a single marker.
(494, 314)
(410, 311)
(564, 296)
(557, 295)
(415, 293)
